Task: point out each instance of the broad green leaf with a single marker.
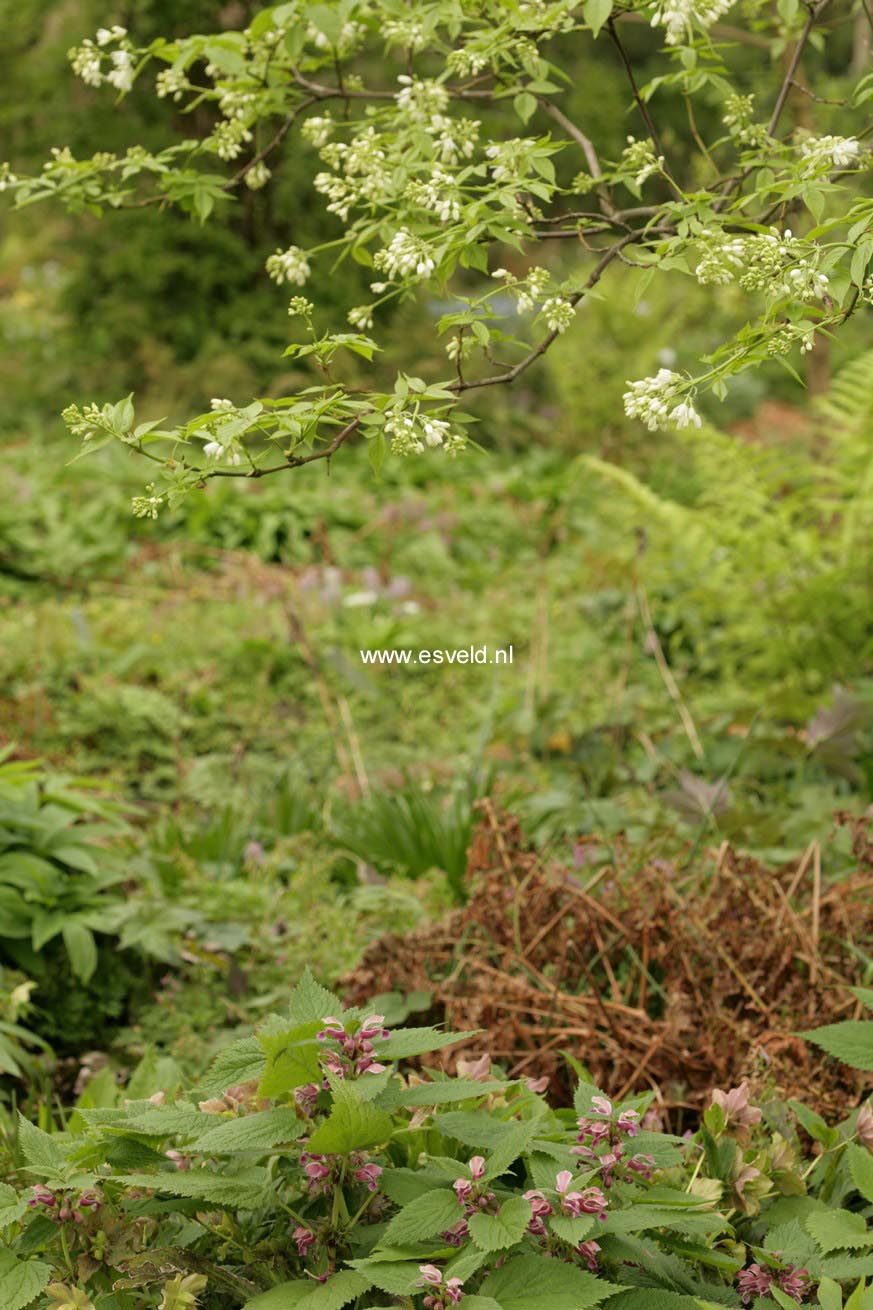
(861, 1169)
(42, 1153)
(305, 1294)
(292, 1059)
(427, 1215)
(830, 1296)
(596, 13)
(21, 1281)
(11, 1207)
(851, 1042)
(252, 1132)
(241, 1062)
(243, 1191)
(81, 948)
(310, 1001)
(441, 1093)
(533, 1282)
(835, 1230)
(497, 1232)
(352, 1125)
(406, 1042)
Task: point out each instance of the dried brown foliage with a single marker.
(658, 979)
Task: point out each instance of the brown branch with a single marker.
(793, 64)
(640, 103)
(510, 374)
(296, 461)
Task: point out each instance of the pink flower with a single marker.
(369, 1174)
(591, 1201)
(429, 1274)
(752, 1282)
(735, 1104)
(795, 1283)
(456, 1235)
(182, 1162)
(864, 1126)
(304, 1238)
(374, 1026)
(537, 1085)
(540, 1208)
(642, 1164)
(601, 1105)
(463, 1187)
(307, 1098)
(453, 1291)
(563, 1181)
(477, 1167)
(627, 1122)
(479, 1070)
(332, 1029)
(42, 1196)
(588, 1252)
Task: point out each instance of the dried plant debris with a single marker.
(652, 977)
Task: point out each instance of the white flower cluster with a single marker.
(412, 433)
(406, 256)
(121, 73)
(558, 313)
(421, 98)
(527, 290)
(229, 137)
(738, 115)
(86, 63)
(237, 104)
(365, 177)
(453, 138)
(350, 35)
(147, 506)
(217, 449)
(317, 130)
(825, 152)
(657, 401)
(87, 60)
(639, 159)
(82, 422)
(467, 61)
(106, 35)
(679, 16)
(258, 176)
(438, 195)
(407, 32)
(361, 317)
(509, 159)
(7, 177)
(289, 265)
(172, 83)
(769, 262)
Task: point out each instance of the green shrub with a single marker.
(306, 1170)
(61, 897)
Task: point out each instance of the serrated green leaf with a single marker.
(242, 1191)
(40, 1150)
(352, 1125)
(292, 1059)
(497, 1232)
(861, 1169)
(836, 1230)
(406, 1042)
(424, 1217)
(533, 1282)
(252, 1132)
(851, 1042)
(21, 1281)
